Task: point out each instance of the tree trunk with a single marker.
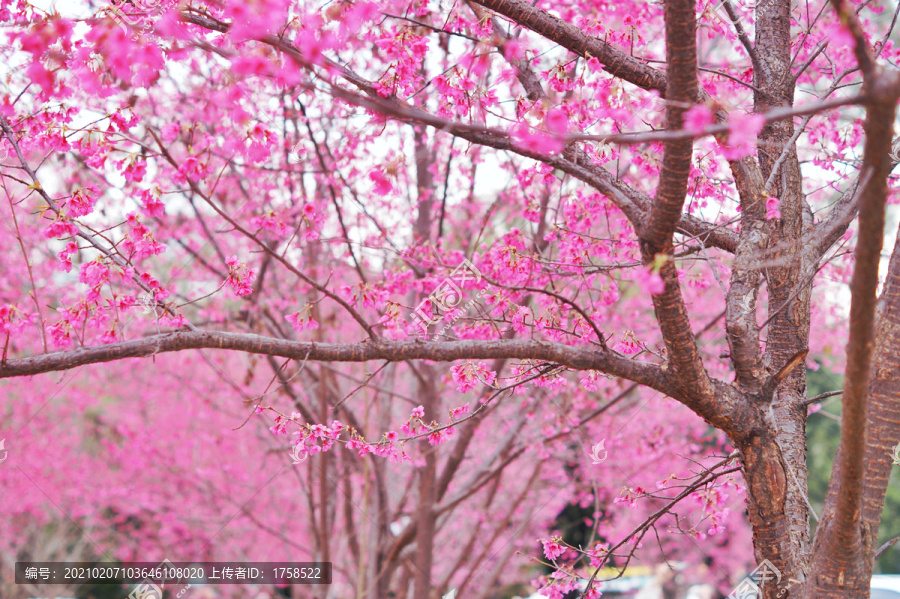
(775, 461)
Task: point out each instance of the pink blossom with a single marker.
(594, 65)
(383, 186)
(437, 437)
(553, 549)
(170, 132)
(628, 345)
(93, 274)
(514, 49)
(65, 256)
(597, 554)
(59, 334)
(240, 278)
(839, 36)
(61, 228)
(772, 205)
(457, 413)
(697, 118)
(302, 320)
(82, 201)
(743, 129)
(191, 169)
(152, 204)
(468, 374)
(557, 122)
(536, 142)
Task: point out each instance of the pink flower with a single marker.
(552, 548)
(152, 204)
(628, 345)
(772, 208)
(650, 280)
(383, 186)
(365, 449)
(437, 437)
(597, 554)
(535, 141)
(302, 320)
(240, 278)
(191, 169)
(697, 118)
(170, 132)
(59, 334)
(839, 36)
(60, 228)
(457, 413)
(557, 122)
(468, 374)
(593, 593)
(419, 412)
(514, 49)
(82, 202)
(743, 129)
(93, 274)
(65, 256)
(594, 65)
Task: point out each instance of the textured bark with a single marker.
(883, 418)
(777, 490)
(574, 357)
(844, 549)
(746, 276)
(427, 378)
(657, 231)
(425, 516)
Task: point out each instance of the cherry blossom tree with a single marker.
(394, 284)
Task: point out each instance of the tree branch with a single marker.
(570, 37)
(575, 358)
(844, 541)
(632, 203)
(659, 227)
